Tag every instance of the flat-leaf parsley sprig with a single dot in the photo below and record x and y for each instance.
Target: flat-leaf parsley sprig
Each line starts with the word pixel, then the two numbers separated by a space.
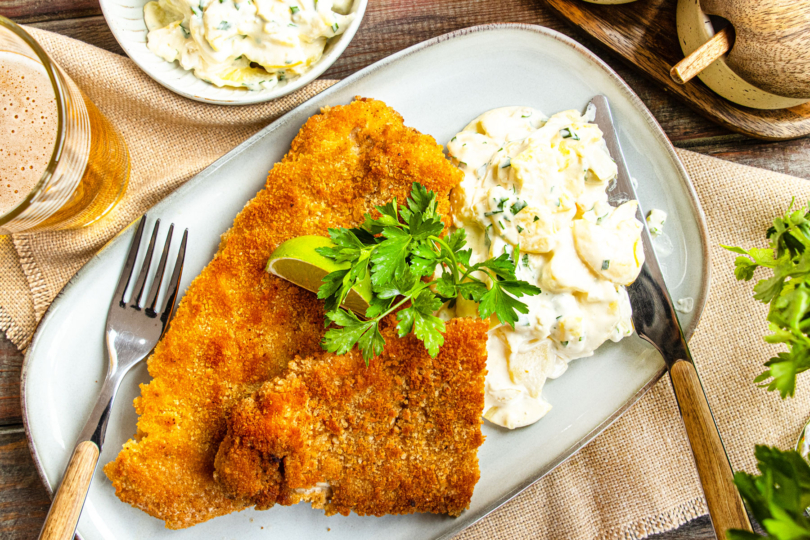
pixel 788 293
pixel 778 497
pixel 398 249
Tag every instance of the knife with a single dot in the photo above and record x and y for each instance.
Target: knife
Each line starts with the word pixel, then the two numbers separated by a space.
pixel 655 321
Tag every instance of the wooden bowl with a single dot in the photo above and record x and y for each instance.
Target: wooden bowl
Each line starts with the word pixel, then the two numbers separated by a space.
pixel 694 29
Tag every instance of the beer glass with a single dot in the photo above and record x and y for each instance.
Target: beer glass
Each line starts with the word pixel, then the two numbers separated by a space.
pixel 86 172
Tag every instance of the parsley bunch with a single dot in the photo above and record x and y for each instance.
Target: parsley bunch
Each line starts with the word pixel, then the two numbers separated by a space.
pixel 788 293
pixel 778 497
pixel 398 249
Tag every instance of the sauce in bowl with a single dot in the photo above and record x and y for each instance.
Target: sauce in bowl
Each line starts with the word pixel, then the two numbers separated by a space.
pixel 251 44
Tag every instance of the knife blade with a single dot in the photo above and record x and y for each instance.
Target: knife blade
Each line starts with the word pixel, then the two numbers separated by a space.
pixel 655 321
pixel 654 316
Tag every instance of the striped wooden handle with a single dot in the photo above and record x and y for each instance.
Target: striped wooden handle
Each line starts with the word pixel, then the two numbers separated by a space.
pixel 725 505
pixel 67 504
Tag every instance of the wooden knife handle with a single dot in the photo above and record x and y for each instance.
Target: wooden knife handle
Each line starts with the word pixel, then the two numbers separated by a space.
pixel 725 505
pixel 67 504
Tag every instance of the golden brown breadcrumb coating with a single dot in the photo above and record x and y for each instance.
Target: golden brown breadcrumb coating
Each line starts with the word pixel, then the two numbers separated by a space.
pixel 397 437
pixel 237 326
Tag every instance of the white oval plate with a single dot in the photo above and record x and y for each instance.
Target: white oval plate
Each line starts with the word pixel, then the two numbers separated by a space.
pixel 437 86
pixel 125 19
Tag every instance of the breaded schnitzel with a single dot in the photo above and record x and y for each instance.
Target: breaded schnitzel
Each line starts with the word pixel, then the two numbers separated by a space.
pixel 237 326
pixel 398 437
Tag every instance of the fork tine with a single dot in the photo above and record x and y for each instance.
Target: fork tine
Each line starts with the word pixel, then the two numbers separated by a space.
pixel 174 283
pixel 137 290
pixel 126 273
pixel 151 299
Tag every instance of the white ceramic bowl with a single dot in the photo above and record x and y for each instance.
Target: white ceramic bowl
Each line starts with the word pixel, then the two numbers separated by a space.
pixel 125 18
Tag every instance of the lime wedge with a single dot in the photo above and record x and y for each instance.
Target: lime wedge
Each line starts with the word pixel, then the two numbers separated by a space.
pixel 297 261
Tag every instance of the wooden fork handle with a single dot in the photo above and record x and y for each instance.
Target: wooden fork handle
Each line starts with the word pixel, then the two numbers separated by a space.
pixel 725 505
pixel 67 504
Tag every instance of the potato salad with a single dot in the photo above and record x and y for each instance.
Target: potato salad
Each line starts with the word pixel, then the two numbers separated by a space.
pixel 252 44
pixel 535 187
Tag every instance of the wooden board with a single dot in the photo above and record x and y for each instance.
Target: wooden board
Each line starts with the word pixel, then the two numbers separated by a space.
pixel 644 34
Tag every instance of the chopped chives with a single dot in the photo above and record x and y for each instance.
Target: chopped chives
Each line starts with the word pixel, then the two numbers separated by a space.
pixel 518 206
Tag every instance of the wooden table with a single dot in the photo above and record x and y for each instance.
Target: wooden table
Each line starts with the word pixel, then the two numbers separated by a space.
pixel 389 26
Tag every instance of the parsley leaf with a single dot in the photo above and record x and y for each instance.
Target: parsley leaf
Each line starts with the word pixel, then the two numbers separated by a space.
pixel 778 497
pixel 332 288
pixel 351 329
pixel 503 305
pixel 419 318
pixel 472 290
pixel 457 240
pixel 502 266
pixel 389 217
pixel 787 290
pixel 422 201
pixel 378 305
pixel 402 249
pixel 424 259
pixel 446 286
pixel 390 256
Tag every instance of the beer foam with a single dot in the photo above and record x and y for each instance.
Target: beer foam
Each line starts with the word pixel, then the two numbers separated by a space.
pixel 28 122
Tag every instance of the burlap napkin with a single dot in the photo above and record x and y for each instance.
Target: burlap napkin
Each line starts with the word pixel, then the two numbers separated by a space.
pixel 635 479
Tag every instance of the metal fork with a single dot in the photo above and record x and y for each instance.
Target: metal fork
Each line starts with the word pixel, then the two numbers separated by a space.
pixel 133 330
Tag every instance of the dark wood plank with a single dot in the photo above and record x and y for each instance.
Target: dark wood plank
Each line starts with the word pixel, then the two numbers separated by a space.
pixel 93 30
pixel 27 11
pixel 10 366
pixel 789 157
pixel 698 529
pixel 23 499
pixel 393 25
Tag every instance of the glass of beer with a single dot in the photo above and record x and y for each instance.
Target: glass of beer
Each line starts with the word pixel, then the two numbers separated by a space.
pixel 62 163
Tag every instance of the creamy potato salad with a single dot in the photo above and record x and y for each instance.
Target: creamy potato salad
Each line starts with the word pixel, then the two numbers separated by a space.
pixel 655 222
pixel 535 187
pixel 252 44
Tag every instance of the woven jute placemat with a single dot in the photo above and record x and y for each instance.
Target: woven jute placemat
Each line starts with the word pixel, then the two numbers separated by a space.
pixel 636 478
